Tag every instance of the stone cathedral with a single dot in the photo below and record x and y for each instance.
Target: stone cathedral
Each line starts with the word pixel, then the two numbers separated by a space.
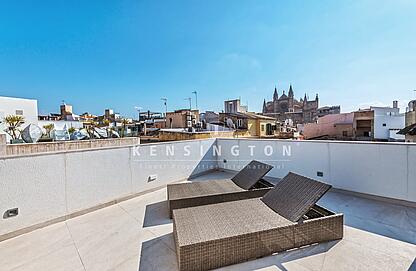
pixel 288 107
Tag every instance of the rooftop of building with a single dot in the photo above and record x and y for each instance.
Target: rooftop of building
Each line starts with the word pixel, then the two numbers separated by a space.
pixel 249 115
pixel 411 130
pixel 133 232
pixel 137 235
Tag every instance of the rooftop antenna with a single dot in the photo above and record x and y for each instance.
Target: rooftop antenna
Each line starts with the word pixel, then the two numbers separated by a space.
pixel 196 99
pixel 165 102
pixel 138 108
pixel 190 102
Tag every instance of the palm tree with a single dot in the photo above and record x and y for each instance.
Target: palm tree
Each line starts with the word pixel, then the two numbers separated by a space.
pixel 71 130
pixel 49 128
pixel 124 122
pixel 106 125
pixel 14 123
pixel 89 127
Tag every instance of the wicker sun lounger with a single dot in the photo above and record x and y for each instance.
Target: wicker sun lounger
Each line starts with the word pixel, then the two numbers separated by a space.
pixel 287 217
pixel 246 184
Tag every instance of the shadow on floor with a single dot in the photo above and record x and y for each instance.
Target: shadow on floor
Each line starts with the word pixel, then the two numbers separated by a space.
pixel 374 216
pixel 279 259
pixel 158 254
pixel 156 214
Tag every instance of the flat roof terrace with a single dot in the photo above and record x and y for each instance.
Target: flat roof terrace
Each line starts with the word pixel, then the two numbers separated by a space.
pixel 137 235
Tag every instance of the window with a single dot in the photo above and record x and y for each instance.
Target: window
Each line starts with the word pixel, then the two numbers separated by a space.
pixel 19 112
pixel 344 133
pixel 262 127
pixel 239 122
pixel 384 125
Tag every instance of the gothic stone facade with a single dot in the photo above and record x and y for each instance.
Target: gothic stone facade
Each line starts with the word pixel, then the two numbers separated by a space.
pixel 287 107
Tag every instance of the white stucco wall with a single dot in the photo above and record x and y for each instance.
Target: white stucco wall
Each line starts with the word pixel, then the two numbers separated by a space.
pixel 391 118
pixel 9 105
pixel 381 169
pixel 52 185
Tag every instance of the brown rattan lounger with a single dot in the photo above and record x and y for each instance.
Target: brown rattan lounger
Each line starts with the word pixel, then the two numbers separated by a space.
pixel 247 183
pixel 287 217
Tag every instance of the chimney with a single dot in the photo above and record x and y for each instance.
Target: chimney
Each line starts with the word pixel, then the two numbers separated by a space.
pixel 395 104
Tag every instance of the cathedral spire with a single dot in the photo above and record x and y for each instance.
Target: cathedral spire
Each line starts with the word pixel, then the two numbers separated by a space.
pixel 305 99
pixel 316 98
pixel 264 106
pixel 290 91
pixel 275 95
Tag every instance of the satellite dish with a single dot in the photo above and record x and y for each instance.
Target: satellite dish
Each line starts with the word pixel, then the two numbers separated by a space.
pixel 100 133
pixel 114 134
pixel 230 123
pixel 32 133
pixel 80 135
pixel 60 135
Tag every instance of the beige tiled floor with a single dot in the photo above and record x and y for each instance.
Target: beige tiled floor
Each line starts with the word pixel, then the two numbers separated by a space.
pixel 137 235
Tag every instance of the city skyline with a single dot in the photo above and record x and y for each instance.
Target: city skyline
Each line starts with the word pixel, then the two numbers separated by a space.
pixel 354 54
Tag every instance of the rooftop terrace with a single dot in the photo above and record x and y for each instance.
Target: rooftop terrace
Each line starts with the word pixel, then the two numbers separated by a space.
pixel 136 234
pixel 105 208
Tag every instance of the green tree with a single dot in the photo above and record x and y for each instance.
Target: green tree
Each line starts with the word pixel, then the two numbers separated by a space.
pixel 89 127
pixel 48 128
pixel 14 124
pixel 71 130
pixel 124 122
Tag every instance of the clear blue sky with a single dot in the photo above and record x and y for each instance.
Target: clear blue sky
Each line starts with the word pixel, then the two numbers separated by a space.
pixel 118 54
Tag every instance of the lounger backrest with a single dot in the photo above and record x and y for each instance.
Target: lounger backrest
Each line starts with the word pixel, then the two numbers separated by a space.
pixel 251 174
pixel 294 195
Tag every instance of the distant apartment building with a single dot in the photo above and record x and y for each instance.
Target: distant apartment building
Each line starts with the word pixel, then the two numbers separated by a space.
pixel 209 117
pixel 388 121
pixel 109 115
pixel 61 121
pixel 67 113
pixel 409 132
pixel 363 124
pixel 379 123
pixel 183 118
pixel 151 120
pixel 87 117
pixel 234 106
pixel 374 123
pixel 148 115
pixel 328 110
pixel 250 124
pixel 411 113
pixel 27 108
pixel 332 126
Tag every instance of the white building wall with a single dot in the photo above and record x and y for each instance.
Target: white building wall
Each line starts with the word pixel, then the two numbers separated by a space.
pixel 9 105
pixel 381 169
pixel 52 185
pixel 391 118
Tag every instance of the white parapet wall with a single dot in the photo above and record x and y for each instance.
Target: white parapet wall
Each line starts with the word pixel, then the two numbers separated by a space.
pixel 50 187
pixel 3 142
pixel 380 169
pixel 54 186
